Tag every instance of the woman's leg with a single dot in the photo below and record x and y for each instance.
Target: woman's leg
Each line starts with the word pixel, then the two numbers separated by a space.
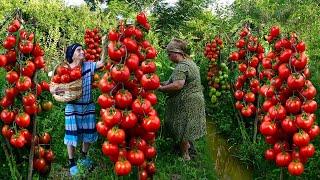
pixel 85 148
pixel 184 146
pixel 71 150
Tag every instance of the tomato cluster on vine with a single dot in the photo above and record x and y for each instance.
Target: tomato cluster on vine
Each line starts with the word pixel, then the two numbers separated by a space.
pixel 289 123
pixel 92 39
pixel 128 120
pixel 21 103
pixel 248 57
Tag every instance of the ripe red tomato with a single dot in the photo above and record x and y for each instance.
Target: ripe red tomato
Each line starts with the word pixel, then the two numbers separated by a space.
pixel 26 46
pixel 307 151
pixel 49 156
pixel 22 120
pixel 143 175
pixel 3 60
pixel 314 132
pixel 239 95
pixel 293 105
pixel 113 35
pixel 304 121
pixel 136 157
pixel 132 62
pixel 277 112
pixel 268 128
pixel 141 18
pixel 301 139
pixel 18 141
pixel 29 99
pixel 138 143
pixel 9 42
pixel 239 105
pixel 106 84
pixel 269 154
pixel 44 86
pixel 123 99
pixel 109 149
pixel 246 111
pixel 310 106
pixel 128 120
pixel 141 106
pixel 65 78
pixel 150 81
pixel 151 168
pixel 102 129
pixel 105 101
pixel 151 123
pixel 116 136
pixel 24 83
pixel 299 63
pixel 289 125
pixel 283 159
pixel 296 81
pixel 150 152
pixel 110 116
pixel 28 69
pixel 309 91
pixel 275 31
pixel 249 97
pixel 284 71
pixel 120 73
pixel 45 138
pixel 7 116
pixel 234 56
pixel 151 97
pixel 295 168
pixel 148 67
pixel 122 168
pixel 285 56
pixel 280 147
pixel 130 44
pixel 12 77
pixel 61 70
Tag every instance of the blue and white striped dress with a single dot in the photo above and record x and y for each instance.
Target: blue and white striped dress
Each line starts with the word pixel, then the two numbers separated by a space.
pixel 80 117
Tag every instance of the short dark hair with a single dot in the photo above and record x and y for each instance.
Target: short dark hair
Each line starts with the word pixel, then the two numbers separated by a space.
pixel 70 51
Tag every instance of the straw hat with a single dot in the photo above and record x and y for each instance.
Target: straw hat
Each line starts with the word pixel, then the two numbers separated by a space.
pixel 177 46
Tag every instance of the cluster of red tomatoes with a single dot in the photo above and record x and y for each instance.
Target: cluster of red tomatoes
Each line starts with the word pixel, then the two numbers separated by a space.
pixel 129 121
pixel 92 39
pixel 289 122
pixel 20 104
pixel 66 75
pixel 248 57
pixel 212 49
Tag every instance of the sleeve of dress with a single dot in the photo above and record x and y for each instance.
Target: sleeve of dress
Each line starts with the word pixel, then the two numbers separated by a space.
pixel 180 72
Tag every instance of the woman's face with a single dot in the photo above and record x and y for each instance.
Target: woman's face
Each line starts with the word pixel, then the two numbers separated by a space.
pixel 174 57
pixel 78 55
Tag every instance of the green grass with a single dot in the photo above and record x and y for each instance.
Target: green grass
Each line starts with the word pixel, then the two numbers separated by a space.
pixel 169 164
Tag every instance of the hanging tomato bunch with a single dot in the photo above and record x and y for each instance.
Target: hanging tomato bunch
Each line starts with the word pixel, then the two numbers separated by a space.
pixel 289 123
pixel 248 57
pixel 20 103
pixel 128 121
pixel 218 72
pixel 92 39
pixel 212 49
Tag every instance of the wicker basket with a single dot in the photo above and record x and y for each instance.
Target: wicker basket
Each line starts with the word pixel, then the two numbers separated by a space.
pixel 66 92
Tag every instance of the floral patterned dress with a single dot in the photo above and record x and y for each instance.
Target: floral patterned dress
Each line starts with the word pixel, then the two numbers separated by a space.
pixel 185 111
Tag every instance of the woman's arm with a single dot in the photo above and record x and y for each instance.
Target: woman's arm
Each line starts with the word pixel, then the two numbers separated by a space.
pixel 100 63
pixel 172 87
